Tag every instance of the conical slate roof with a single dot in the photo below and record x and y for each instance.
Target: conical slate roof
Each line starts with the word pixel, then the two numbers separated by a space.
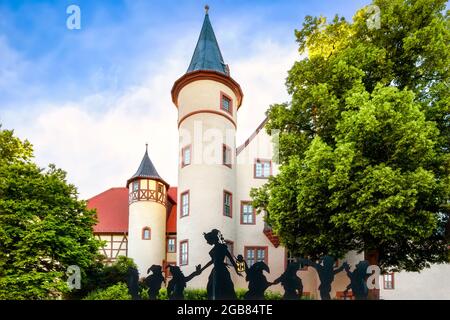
pixel 146 170
pixel 207 55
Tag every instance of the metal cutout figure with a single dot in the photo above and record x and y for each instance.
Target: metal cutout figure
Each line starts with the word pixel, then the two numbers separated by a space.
pixel 257 281
pixel 220 286
pixel 358 280
pixel 292 284
pixel 133 283
pixel 325 270
pixel 154 281
pixel 176 286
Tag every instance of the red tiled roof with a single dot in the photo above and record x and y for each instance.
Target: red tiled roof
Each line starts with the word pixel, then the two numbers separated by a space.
pixel 112 210
pixel 172 193
pixel 171 225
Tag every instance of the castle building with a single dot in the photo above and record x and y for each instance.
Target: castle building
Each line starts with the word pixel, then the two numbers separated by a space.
pixel 155 223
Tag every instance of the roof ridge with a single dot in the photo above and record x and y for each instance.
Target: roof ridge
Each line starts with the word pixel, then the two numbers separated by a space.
pixel 99 194
pixel 252 136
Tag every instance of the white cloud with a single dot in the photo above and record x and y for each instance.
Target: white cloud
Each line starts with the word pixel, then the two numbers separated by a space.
pixel 100 150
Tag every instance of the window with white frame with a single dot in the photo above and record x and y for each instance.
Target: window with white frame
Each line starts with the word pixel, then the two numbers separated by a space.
pixel 247 213
pixel 185 204
pixel 263 168
pixel 184 252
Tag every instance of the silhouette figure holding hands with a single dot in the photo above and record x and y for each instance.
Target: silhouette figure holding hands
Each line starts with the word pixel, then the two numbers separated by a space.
pixel 220 286
pixel 292 284
pixel 154 281
pixel 325 270
pixel 133 283
pixel 358 279
pixel 177 284
pixel 257 282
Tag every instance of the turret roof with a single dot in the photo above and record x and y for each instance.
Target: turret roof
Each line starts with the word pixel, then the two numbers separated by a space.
pixel 207 55
pixel 146 170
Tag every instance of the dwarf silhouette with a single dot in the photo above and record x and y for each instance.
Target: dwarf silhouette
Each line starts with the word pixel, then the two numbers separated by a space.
pixel 358 279
pixel 154 281
pixel 175 288
pixel 257 282
pixel 325 270
pixel 292 284
pixel 133 283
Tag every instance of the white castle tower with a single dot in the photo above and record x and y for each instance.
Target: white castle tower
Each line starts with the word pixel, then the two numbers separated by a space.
pixel 207 99
pixel 147 216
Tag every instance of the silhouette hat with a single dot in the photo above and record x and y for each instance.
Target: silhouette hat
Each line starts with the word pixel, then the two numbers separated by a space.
pixel 155 269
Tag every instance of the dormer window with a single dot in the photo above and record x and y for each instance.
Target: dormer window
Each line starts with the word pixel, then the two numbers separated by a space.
pixel 226 103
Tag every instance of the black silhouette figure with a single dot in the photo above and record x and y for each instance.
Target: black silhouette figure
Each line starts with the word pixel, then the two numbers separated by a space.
pixel 358 280
pixel 177 284
pixel 220 286
pixel 292 284
pixel 154 281
pixel 257 282
pixel 133 283
pixel 326 272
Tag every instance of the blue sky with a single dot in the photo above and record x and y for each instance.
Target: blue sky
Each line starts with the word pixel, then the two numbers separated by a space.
pixel 89 99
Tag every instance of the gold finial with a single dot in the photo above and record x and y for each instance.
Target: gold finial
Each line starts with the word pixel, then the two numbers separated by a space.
pixel 206 9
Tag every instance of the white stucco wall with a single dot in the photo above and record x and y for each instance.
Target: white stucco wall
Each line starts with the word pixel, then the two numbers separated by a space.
pixel 147 252
pixel 431 283
pixel 206 177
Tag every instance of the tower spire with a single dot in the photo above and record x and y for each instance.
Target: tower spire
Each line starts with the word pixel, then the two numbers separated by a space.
pixel 207 55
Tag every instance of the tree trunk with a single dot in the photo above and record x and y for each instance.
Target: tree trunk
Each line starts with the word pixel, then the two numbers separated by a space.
pixel 373 257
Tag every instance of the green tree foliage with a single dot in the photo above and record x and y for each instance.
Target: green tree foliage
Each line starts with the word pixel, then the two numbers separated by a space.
pixel 117 291
pixel 101 277
pixel 364 141
pixel 44 228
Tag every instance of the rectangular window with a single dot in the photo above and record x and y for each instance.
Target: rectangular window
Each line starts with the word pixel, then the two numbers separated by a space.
pixel 230 247
pixel 227 204
pixel 247 213
pixel 388 281
pixel 263 168
pixel 184 204
pixel 146 233
pixel 290 258
pixel 226 155
pixel 226 103
pixel 136 185
pixel 186 156
pixel 184 253
pixel 171 245
pixel 255 254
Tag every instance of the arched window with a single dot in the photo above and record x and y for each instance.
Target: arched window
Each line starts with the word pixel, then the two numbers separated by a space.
pixel 146 233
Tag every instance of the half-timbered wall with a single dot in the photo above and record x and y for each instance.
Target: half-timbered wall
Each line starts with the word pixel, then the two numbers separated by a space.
pixel 116 245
